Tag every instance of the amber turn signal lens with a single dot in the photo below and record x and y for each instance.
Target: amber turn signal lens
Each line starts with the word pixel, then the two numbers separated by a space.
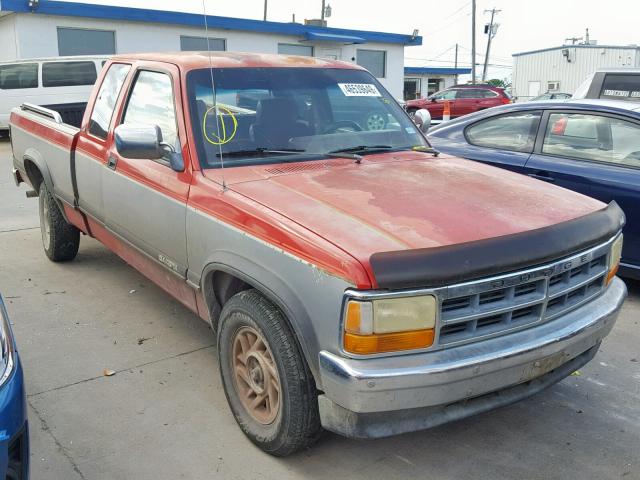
pixel 614 258
pixel 612 273
pixel 388 342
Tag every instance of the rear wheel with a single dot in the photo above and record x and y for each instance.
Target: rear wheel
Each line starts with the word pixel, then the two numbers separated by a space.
pixel 267 383
pixel 60 239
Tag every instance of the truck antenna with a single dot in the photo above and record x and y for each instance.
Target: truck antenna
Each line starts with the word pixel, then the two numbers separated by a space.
pixel 213 95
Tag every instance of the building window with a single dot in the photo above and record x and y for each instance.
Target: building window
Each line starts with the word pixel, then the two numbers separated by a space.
pixel 373 60
pixel 68 74
pixel 19 75
pixel 199 44
pixel 293 49
pixel 411 88
pixel 80 41
pixel 434 85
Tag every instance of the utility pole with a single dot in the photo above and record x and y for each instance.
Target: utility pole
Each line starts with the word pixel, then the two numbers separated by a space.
pixel 491 32
pixel 473 41
pixel 265 10
pixel 456 65
pixel 323 8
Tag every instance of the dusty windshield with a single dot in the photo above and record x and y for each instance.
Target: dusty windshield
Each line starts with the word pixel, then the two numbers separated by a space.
pixel 273 115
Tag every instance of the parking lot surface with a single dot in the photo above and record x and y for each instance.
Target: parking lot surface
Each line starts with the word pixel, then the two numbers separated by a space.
pixel 163 415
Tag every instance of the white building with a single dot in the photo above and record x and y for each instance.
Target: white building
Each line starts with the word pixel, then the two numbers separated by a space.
pixel 563 69
pixel 52 28
pixel 420 82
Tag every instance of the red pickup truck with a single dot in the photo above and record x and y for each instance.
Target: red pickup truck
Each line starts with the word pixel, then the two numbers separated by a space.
pixel 355 279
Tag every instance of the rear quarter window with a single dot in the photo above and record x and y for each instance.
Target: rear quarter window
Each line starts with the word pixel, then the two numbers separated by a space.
pixel 621 87
pixel 18 75
pixel 68 74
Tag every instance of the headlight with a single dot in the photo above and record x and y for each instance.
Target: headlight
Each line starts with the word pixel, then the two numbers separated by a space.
pixel 389 324
pixel 6 345
pixel 614 258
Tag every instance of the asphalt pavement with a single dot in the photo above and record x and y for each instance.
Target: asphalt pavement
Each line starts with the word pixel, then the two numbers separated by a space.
pixel 163 414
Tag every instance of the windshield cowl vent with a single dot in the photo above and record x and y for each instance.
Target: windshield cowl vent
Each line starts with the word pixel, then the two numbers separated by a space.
pixel 285 169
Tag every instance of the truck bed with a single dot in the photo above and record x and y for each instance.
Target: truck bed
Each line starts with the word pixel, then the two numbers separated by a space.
pixel 39 134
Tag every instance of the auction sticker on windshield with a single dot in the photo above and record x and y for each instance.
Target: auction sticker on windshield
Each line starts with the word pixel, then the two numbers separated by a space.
pixel 359 90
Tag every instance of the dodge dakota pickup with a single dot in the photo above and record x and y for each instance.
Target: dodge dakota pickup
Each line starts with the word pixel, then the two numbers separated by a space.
pixel 355 279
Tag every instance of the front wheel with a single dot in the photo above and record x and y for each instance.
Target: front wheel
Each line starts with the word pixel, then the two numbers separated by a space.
pixel 267 383
pixel 60 239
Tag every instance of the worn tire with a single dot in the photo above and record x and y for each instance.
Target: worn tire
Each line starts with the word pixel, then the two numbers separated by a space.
pixel 60 239
pixel 297 424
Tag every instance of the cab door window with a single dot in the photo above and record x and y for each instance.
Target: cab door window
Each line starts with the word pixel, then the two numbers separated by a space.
pixel 151 103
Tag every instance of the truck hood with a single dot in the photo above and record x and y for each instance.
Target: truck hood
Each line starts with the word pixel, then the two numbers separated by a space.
pixel 409 200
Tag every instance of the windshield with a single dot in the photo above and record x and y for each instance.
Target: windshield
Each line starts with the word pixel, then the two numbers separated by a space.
pixel 272 115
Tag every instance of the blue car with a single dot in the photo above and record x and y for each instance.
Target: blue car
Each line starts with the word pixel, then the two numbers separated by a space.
pixel 590 146
pixel 14 430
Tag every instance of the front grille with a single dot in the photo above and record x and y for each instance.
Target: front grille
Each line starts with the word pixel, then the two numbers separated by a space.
pixel 490 307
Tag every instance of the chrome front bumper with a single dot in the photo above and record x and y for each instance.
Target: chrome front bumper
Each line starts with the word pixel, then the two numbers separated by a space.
pixel 410 388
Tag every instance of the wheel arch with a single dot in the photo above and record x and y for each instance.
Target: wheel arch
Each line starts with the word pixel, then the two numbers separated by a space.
pixel 272 286
pixel 36 169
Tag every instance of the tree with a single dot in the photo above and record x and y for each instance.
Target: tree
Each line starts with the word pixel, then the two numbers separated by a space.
pixel 496 82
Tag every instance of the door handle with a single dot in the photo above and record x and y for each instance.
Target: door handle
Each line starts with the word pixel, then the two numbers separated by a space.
pixel 111 163
pixel 544 176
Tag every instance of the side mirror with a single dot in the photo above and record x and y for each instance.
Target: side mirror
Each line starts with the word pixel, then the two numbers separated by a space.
pixel 145 142
pixel 422 119
pixel 433 99
pixel 139 141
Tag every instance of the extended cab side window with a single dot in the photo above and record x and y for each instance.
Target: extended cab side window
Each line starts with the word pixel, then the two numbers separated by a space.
pixel 107 98
pixel 513 131
pixel 593 137
pixel 151 103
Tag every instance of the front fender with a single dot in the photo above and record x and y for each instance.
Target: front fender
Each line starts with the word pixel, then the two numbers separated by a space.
pixel 309 297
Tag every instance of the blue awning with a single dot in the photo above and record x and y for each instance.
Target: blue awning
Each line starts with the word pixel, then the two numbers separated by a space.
pixel 333 38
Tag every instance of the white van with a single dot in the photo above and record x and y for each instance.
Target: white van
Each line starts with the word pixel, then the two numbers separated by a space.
pixel 62 84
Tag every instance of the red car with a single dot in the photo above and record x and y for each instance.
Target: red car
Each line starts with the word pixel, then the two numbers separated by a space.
pixel 463 99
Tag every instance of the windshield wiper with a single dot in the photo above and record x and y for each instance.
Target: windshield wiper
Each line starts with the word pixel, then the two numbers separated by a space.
pixel 260 151
pixel 362 149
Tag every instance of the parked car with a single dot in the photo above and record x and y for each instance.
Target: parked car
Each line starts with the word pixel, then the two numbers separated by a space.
pixel 621 83
pixel 463 100
pixel 590 146
pixel 14 430
pixel 62 84
pixel 551 96
pixel 355 280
